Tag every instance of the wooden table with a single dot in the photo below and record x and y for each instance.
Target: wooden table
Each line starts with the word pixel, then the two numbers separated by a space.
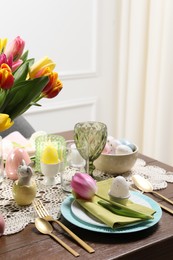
pixel 153 243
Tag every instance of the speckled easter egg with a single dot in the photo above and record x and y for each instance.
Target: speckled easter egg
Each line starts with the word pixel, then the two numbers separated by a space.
pixel 119 188
pixel 114 143
pixel 109 138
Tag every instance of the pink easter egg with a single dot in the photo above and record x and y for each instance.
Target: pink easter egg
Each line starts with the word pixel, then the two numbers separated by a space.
pixel 106 149
pixel 14 159
pixel 2 225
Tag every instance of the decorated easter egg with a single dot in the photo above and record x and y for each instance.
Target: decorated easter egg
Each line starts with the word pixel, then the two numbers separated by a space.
pixel 109 138
pixel 2 225
pixel 14 159
pixel 114 143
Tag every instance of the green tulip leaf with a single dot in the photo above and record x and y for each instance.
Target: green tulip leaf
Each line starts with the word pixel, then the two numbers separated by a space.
pixel 21 73
pixel 2 99
pixel 20 98
pixel 24 56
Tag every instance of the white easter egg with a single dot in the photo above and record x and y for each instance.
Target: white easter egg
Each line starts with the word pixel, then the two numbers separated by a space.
pixel 109 138
pixel 119 188
pixel 123 149
pixel 114 143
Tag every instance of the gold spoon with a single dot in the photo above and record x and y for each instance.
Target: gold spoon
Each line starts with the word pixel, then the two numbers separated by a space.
pixel 45 228
pixel 145 186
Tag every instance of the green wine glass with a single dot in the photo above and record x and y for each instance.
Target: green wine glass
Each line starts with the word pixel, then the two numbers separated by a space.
pixel 92 135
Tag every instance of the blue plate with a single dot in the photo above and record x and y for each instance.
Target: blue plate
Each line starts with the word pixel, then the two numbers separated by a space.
pixel 68 214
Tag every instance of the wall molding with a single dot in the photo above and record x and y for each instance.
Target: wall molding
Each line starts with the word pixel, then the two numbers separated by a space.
pixel 78 74
pixel 63 116
pixel 63 105
pixel 93 70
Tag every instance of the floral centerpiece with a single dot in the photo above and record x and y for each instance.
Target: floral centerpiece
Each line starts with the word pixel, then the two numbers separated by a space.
pixel 23 82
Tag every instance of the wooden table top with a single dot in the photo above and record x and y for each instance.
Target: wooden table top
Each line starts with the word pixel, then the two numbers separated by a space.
pixel 153 243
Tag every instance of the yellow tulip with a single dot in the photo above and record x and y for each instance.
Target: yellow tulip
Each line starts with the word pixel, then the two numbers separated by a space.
pixel 5 122
pixel 53 87
pixel 3 43
pixel 6 77
pixel 40 66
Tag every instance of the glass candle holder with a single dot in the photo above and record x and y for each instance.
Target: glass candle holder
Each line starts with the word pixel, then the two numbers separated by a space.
pixel 57 141
pixel 73 163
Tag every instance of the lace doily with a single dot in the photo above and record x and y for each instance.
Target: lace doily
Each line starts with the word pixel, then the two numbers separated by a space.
pixel 158 177
pixel 18 217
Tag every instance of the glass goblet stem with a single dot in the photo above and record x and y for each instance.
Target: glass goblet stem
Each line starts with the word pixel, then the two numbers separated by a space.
pixel 87 166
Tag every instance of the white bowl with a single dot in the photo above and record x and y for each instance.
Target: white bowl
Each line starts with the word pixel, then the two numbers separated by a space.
pixel 116 163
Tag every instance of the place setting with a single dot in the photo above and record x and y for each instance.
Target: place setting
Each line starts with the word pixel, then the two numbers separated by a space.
pixel 82 179
pixel 87 217
pixel 87 143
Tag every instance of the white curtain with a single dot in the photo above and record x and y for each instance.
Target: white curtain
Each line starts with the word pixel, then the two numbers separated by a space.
pixel 145 76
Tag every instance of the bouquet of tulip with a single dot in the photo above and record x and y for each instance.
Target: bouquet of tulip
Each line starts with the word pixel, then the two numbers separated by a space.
pixel 23 82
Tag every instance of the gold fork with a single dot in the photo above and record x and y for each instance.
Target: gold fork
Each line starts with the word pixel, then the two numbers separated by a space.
pixel 43 213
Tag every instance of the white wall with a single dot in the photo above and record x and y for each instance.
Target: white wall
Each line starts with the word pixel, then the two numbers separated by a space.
pixel 80 36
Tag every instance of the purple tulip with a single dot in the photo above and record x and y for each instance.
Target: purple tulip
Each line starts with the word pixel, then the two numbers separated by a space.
pixel 83 185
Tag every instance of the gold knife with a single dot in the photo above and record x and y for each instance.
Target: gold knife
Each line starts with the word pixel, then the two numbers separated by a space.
pixel 166 208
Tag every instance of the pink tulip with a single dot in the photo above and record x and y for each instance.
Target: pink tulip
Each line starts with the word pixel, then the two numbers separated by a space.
pixel 16 64
pixel 3 59
pixel 84 185
pixel 15 48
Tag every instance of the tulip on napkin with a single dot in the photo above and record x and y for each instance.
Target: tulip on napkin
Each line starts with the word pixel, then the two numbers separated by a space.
pixel 114 214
